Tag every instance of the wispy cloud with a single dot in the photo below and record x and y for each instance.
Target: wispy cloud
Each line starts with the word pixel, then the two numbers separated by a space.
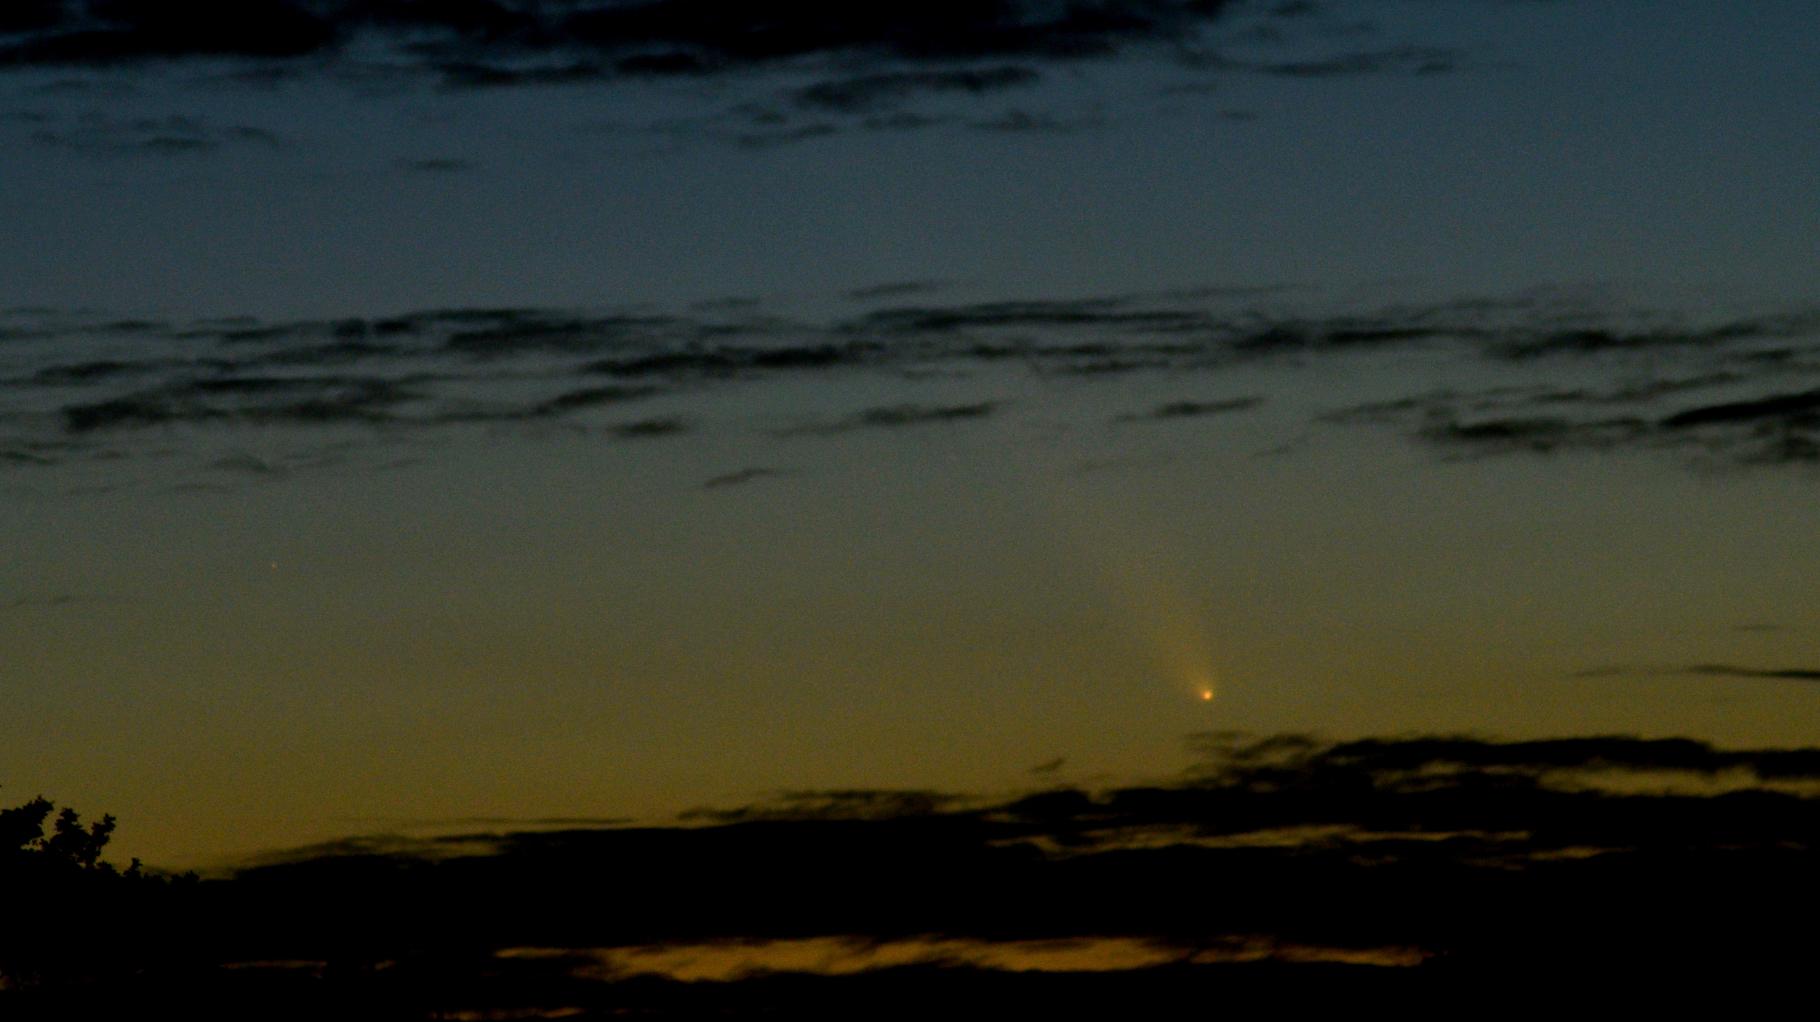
pixel 1416 60
pixel 1027 122
pixel 1712 671
pixel 640 429
pixel 1535 434
pixel 867 93
pixel 71 385
pixel 1194 409
pixel 899 417
pixel 740 477
pixel 894 289
pixel 102 134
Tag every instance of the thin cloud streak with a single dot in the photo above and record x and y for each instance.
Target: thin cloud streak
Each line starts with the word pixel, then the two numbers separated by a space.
pixel 1710 671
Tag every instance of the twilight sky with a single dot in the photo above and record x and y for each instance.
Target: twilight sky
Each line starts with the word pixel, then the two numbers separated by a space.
pixel 415 413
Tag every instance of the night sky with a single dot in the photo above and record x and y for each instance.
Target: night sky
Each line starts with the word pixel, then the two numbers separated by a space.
pixel 418 416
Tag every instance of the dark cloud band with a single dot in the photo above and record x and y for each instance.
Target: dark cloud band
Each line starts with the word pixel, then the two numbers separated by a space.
pixel 601 37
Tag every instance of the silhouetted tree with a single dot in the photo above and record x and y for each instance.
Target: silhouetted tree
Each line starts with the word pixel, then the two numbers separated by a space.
pixel 23 826
pixel 66 908
pixel 23 841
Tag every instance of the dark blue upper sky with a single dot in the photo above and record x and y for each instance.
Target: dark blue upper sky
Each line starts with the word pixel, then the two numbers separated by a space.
pixel 357 156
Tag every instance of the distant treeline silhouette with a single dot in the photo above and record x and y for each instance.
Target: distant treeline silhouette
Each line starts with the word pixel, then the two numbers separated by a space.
pixel 1285 873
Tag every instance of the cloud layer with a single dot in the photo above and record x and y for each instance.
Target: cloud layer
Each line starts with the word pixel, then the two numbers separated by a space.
pixel 809 68
pixel 481 41
pixel 1527 380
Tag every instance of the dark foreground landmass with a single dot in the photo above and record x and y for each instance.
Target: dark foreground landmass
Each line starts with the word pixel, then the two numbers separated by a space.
pixel 1289 875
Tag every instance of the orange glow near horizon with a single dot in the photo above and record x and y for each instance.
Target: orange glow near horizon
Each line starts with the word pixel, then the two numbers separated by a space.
pixel 733 960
